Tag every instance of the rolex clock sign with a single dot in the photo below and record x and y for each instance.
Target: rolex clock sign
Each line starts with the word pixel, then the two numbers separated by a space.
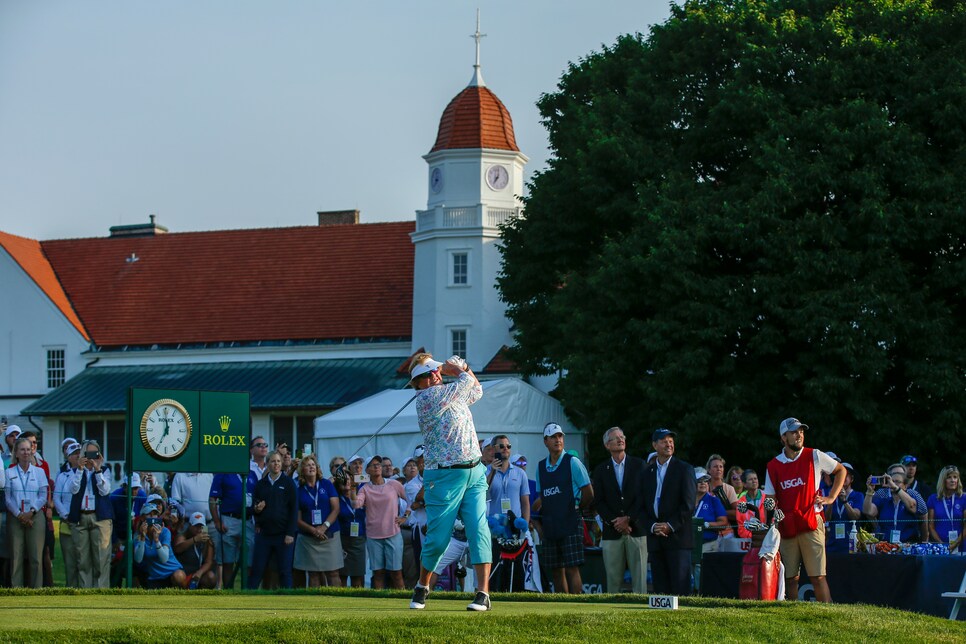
pixel 177 430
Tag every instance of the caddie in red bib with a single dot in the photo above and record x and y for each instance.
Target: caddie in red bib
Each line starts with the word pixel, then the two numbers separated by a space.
pixel 793 479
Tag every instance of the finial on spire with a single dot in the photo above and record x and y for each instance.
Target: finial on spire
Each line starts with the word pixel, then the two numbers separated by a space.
pixel 477 80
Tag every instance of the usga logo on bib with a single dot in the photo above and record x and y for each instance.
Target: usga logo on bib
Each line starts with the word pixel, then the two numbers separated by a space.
pixel 662 602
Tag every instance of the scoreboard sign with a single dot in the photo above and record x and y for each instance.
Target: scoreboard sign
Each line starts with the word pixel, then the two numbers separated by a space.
pixel 177 430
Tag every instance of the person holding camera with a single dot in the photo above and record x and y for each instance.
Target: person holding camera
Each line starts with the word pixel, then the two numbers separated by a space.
pixel 26 495
pixel 509 492
pixel 152 550
pixel 196 553
pixel 900 512
pixel 352 528
pixel 92 517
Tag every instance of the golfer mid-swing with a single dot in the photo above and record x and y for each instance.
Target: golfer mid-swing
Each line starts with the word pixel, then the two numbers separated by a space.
pixel 454 480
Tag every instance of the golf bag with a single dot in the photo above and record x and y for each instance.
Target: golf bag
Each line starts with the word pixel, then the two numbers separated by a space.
pixel 760 577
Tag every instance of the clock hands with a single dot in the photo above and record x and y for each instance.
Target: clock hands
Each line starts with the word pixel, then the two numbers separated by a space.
pixel 167 429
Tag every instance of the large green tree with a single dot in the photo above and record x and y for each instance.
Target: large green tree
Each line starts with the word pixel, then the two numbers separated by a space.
pixel 757 211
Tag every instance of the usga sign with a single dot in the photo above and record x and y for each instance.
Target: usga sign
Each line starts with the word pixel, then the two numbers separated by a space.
pixel 662 602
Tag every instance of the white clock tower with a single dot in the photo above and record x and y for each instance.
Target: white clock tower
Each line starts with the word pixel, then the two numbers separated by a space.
pixel 475 179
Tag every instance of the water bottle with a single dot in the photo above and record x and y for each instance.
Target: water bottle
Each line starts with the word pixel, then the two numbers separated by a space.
pixel 853 540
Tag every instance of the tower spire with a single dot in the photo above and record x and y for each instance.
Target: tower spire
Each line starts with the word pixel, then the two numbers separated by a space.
pixel 477 80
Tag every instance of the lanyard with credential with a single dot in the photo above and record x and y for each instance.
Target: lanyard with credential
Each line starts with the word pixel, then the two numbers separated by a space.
pixel 949 509
pixel 839 509
pixel 503 477
pixel 23 485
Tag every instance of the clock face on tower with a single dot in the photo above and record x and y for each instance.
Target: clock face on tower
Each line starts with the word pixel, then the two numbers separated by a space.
pixel 436 179
pixel 497 177
pixel 165 429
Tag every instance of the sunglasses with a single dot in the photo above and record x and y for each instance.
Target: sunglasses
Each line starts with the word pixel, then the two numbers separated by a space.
pixel 504 445
pixel 259 444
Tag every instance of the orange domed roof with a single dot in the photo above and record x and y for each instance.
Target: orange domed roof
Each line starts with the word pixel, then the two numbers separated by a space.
pixel 475 119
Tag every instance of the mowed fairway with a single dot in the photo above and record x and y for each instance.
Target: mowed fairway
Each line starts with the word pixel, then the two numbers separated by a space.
pixel 180 617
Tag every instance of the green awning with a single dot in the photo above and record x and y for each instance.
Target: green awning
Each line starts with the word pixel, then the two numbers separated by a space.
pixel 294 384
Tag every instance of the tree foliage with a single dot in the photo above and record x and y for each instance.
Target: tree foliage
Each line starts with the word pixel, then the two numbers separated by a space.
pixel 754 212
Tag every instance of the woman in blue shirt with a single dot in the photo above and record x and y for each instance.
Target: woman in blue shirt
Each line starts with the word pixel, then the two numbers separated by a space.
pixel 840 515
pixel 946 509
pixel 152 549
pixel 318 546
pixel 708 507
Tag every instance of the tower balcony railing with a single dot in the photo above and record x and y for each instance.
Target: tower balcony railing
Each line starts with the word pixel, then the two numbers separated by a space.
pixel 479 216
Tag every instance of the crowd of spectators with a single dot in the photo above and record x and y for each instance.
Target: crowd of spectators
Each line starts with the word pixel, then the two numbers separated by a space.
pixel 306 522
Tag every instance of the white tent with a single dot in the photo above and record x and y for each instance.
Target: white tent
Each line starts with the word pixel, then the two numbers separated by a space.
pixel 508 406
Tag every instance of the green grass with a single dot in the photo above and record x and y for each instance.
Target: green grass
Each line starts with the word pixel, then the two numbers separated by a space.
pixel 173 616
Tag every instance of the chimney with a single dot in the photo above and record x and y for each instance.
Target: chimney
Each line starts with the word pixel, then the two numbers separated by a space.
pixel 139 230
pixel 338 217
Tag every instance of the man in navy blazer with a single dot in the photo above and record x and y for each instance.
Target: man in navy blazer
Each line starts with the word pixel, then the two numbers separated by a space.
pixel 619 500
pixel 669 496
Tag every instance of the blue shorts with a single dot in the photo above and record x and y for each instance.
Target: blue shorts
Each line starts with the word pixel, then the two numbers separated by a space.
pixel 385 554
pixel 450 494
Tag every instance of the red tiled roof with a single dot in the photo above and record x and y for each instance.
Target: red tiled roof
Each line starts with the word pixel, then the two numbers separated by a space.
pixel 300 283
pixel 500 363
pixel 30 256
pixel 475 119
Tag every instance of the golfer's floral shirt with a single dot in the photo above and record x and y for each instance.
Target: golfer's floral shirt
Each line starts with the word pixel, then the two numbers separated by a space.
pixel 446 422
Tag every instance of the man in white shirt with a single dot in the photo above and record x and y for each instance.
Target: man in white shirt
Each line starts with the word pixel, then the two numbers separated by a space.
pixel 191 489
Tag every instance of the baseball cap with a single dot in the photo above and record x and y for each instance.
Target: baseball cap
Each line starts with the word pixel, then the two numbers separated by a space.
pixel 908 459
pixel 790 425
pixel 355 457
pixel 197 519
pixel 700 473
pixel 848 466
pixel 12 429
pixel 73 448
pixel 419 451
pixel 518 459
pixel 374 457
pixel 661 433
pixel 148 508
pixel 135 480
pixel 834 456
pixel 423 368
pixel 155 497
pixel 552 429
pixel 67 441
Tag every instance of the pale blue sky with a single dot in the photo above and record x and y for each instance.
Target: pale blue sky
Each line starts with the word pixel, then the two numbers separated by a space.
pixel 240 113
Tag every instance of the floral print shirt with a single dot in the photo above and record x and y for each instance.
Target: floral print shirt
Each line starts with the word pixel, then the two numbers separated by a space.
pixel 447 424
